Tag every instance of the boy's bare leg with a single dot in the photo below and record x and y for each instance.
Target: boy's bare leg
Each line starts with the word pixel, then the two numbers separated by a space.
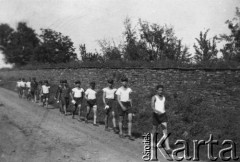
pixel 46 102
pixel 114 119
pixel 164 128
pixel 95 114
pixel 130 124
pixel 120 125
pixel 88 111
pixel 65 109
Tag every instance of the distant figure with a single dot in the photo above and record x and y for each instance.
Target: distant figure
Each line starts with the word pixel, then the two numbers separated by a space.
pixel 125 107
pixel 23 88
pixel 77 97
pixel 18 87
pixel 90 96
pixel 28 89
pixel 110 104
pixel 159 116
pixel 45 93
pixel 58 94
pixel 64 95
pixel 39 89
pixel 34 88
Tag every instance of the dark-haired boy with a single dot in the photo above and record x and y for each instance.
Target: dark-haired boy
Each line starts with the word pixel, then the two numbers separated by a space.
pixel 159 116
pixel 58 94
pixel 34 87
pixel 90 96
pixel 77 97
pixel 125 107
pixel 109 104
pixel 65 96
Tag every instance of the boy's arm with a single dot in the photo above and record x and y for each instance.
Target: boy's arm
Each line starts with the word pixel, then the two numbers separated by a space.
pixel 71 94
pixel 104 96
pixel 153 103
pixel 86 96
pixel 120 103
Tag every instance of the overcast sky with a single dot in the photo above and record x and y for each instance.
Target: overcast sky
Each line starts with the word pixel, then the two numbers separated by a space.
pixel 87 21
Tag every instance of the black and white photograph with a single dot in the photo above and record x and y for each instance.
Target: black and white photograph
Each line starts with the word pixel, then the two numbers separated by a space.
pixel 119 80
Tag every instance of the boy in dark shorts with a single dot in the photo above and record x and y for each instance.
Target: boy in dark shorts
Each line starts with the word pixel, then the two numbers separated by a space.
pixel 18 87
pixel 109 104
pixel 34 87
pixel 90 96
pixel 159 115
pixel 125 107
pixel 45 93
pixel 77 97
pixel 28 89
pixel 58 94
pixel 39 89
pixel 64 95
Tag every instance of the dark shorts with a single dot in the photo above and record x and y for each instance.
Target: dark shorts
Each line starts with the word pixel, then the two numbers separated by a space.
pixel 92 103
pixel 65 100
pixel 159 118
pixel 45 95
pixel 112 104
pixel 33 92
pixel 129 110
pixel 78 101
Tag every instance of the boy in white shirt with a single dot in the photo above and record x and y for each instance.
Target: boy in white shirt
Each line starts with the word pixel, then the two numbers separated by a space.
pixel 77 97
pixel 45 92
pixel 90 96
pixel 159 115
pixel 109 104
pixel 125 107
pixel 23 88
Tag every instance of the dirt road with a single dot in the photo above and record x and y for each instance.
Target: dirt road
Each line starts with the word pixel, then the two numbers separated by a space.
pixel 31 133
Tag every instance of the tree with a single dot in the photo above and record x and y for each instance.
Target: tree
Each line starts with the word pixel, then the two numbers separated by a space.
pixel 54 48
pixel 231 50
pixel 206 50
pixel 130 48
pixel 20 44
pixel 89 56
pixel 161 43
pixel 5 33
pixel 110 50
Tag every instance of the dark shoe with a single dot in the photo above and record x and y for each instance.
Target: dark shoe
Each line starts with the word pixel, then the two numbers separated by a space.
pixel 121 135
pixel 169 151
pixel 107 129
pixel 115 130
pixel 131 138
pixel 96 125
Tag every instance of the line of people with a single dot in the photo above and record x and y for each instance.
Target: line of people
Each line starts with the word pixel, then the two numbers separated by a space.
pixel 116 101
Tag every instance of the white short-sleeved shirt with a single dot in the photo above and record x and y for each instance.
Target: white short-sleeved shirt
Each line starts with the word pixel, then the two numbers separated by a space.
pixel 45 89
pixel 124 94
pixel 160 104
pixel 28 84
pixel 18 83
pixel 91 94
pixel 109 92
pixel 22 84
pixel 77 92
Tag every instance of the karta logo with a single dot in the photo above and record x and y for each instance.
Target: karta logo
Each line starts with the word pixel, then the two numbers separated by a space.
pixel 152 147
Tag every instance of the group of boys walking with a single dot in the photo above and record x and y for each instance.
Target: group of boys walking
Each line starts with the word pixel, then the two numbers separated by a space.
pixel 115 100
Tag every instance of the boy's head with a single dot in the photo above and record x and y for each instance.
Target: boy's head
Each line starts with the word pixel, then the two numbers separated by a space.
pixel 34 79
pixel 124 81
pixel 46 82
pixel 110 82
pixel 23 79
pixel 159 89
pixel 40 82
pixel 77 83
pixel 92 85
pixel 65 82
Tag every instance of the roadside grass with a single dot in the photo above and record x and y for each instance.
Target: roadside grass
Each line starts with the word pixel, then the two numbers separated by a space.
pixel 191 117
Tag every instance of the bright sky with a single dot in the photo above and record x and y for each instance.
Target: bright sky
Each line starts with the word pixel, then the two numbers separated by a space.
pixel 87 21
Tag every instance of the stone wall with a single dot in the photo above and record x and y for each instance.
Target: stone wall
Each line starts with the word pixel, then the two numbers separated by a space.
pixel 219 89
